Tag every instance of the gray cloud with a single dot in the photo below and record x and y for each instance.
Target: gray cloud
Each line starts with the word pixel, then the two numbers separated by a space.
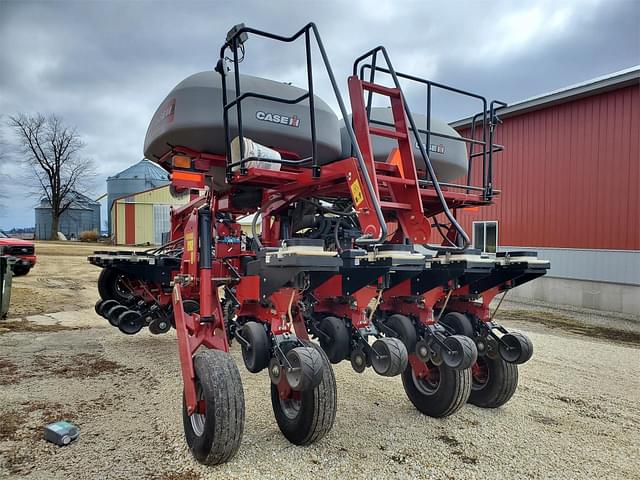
pixel 105 66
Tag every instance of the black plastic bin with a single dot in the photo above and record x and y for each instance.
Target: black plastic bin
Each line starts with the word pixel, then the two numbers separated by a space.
pixel 6 274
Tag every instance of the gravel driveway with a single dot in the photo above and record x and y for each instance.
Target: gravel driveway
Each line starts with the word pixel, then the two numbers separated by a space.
pixel 575 415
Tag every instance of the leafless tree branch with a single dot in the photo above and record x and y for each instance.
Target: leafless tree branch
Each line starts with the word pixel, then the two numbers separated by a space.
pixel 51 152
pixel 3 177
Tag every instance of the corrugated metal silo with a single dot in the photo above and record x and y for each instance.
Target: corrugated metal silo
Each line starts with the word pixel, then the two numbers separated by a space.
pixel 142 176
pixel 82 215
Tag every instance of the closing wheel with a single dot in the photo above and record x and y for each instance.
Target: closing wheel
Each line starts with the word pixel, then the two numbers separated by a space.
pixel 358 360
pixel 130 322
pixel 306 368
pixel 160 325
pixel 105 306
pixel 458 323
pixel 113 314
pixel 404 330
pixel 214 435
pixel 112 285
pixel 391 358
pixel 97 307
pixel 306 416
pixel 337 345
pixel 494 382
pixel 436 391
pixel 518 348
pixel 256 354
pixel 459 352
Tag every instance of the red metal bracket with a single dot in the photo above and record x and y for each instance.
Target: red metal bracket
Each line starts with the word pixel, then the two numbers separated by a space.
pixel 191 335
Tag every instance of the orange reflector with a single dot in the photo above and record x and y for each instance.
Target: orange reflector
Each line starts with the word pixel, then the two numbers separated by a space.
pixel 471 209
pixel 180 161
pixel 187 179
pixel 395 159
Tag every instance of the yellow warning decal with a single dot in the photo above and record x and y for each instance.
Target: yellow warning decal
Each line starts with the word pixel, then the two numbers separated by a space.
pixel 356 192
pixel 188 246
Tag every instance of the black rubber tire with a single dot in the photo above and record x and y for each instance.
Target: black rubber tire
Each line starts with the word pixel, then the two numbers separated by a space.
pixel 108 287
pixel 21 270
pixel 129 322
pixel 190 306
pixel 466 352
pixel 405 329
pixel 317 411
pixel 219 381
pixel 113 314
pixel 358 361
pixel 161 325
pixel 396 357
pixel 458 323
pixel 105 306
pixel 447 397
pixel 97 307
pixel 338 348
pixel 309 365
pixel 500 385
pixel 523 345
pixel 257 358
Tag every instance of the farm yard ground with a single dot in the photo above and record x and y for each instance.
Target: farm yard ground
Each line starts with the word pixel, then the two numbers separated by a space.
pixel 576 413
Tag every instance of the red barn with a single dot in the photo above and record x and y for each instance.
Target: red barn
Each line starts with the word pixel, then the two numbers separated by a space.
pixel 570 189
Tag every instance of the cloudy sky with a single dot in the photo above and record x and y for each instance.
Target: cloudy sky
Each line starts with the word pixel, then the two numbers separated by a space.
pixel 105 66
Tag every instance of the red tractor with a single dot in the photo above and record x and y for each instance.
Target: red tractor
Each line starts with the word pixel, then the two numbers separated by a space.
pixel 359 256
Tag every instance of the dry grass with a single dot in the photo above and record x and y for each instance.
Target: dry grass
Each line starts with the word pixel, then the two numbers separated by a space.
pixel 22 304
pixel 50 412
pixel 8 372
pixel 81 365
pixel 556 320
pixel 72 249
pixel 10 423
pixel 15 326
pixel 89 236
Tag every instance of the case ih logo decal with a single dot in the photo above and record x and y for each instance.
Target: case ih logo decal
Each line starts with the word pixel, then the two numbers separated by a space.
pixel 164 115
pixel 434 148
pixel 277 118
pixel 167 111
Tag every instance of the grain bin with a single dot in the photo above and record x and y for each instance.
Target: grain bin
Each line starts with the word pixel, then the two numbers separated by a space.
pixel 142 176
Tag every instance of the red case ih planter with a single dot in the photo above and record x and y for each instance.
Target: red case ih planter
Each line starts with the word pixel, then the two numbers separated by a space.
pixel 342 255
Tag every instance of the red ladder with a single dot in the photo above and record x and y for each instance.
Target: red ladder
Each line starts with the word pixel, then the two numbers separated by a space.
pixel 403 188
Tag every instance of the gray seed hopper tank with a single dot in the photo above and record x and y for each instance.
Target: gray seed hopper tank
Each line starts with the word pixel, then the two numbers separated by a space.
pixel 448 157
pixel 191 116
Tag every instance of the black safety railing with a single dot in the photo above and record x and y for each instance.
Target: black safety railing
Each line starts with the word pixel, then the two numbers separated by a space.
pixel 235 39
pixel 373 54
pixel 487 118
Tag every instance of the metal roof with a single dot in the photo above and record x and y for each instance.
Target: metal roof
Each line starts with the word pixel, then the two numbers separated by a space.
pixel 79 202
pixel 613 81
pixel 144 170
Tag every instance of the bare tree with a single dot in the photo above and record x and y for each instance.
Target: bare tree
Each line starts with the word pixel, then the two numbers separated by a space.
pixel 51 150
pixel 3 176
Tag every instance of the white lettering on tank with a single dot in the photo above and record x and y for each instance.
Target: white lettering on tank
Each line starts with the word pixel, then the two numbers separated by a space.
pixel 277 118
